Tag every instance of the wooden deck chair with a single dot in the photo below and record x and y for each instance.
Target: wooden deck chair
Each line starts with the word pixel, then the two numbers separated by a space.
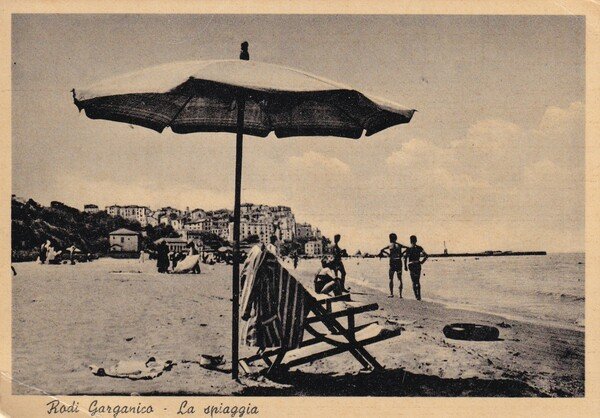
pixel 327 312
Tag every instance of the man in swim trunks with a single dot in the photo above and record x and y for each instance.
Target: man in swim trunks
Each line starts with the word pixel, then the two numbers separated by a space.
pixel 337 264
pixel 413 262
pixel 394 250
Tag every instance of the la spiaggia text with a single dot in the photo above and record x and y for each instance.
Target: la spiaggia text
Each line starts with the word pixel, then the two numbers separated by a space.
pixel 102 409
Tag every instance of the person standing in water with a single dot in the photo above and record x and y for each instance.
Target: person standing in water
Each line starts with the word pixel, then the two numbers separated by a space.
pixel 394 250
pixel 413 262
pixel 338 264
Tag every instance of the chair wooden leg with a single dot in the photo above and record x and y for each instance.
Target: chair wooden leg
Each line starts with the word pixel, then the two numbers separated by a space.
pixel 267 361
pixel 351 325
pixel 276 363
pixel 245 366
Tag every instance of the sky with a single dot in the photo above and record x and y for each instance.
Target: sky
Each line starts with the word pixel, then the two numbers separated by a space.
pixel 493 159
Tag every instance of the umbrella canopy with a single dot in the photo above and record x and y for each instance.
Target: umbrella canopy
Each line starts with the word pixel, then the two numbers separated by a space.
pixel 201 96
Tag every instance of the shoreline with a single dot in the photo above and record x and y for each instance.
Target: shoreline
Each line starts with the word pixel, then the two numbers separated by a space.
pixel 458 306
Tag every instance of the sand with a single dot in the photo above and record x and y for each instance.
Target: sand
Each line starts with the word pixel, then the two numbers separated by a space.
pixel 66 318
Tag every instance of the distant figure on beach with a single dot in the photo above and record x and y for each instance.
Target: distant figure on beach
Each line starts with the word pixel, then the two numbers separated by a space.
pixel 44 251
pixel 412 257
pixel 209 258
pixel 193 250
pixel 394 251
pixel 244 55
pixel 295 258
pixel 52 254
pixel 142 258
pixel 71 251
pixel 272 246
pixel 337 264
pixel 162 256
pixel 176 257
pixel 326 280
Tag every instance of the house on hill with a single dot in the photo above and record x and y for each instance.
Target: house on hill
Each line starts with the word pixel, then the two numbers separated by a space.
pixel 90 208
pixel 313 248
pixel 124 241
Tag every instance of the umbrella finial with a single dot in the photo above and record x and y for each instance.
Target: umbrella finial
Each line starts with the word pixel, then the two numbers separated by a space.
pixel 244 55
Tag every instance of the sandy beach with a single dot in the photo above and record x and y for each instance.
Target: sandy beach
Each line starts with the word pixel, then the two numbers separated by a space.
pixel 66 318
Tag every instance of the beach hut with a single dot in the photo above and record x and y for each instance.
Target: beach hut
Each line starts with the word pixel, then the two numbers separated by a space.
pixel 124 241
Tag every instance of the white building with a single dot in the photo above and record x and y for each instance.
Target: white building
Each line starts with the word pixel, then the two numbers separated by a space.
pixel 168 210
pixel 199 225
pixel 174 244
pixel 91 208
pixel 220 227
pixel 263 230
pixel 313 248
pixel 123 240
pixel 176 224
pixel 113 210
pixel 152 220
pixel 303 230
pixel 131 212
pixel 287 227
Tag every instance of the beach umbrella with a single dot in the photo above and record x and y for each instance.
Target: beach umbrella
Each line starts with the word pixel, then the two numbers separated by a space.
pixel 242 97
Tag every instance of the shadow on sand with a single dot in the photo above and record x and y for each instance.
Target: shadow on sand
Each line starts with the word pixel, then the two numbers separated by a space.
pixel 390 383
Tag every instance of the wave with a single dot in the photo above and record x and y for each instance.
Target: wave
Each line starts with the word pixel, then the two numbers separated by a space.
pixel 562 296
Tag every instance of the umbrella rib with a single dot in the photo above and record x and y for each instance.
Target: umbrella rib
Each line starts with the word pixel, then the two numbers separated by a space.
pixel 263 106
pixel 180 110
pixel 348 115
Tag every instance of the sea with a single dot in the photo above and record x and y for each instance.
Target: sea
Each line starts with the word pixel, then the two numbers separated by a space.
pixel 546 289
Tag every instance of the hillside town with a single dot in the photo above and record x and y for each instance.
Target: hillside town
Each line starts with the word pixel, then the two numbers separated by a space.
pixel 258 223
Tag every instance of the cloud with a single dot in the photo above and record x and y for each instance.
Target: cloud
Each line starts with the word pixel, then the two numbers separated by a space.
pixel 498 152
pixel 560 136
pixel 315 162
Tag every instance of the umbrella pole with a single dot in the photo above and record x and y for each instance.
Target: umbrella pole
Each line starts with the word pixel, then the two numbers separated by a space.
pixel 235 313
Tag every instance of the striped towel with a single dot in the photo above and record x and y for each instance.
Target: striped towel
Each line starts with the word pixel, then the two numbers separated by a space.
pixel 275 309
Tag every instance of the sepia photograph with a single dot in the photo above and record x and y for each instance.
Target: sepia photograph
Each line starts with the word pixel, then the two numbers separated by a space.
pixel 323 205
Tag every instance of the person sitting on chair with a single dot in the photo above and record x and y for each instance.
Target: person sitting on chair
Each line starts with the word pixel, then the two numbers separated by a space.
pixel 326 280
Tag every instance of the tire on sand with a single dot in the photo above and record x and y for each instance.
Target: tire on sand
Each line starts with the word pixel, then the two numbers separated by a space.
pixel 471 332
